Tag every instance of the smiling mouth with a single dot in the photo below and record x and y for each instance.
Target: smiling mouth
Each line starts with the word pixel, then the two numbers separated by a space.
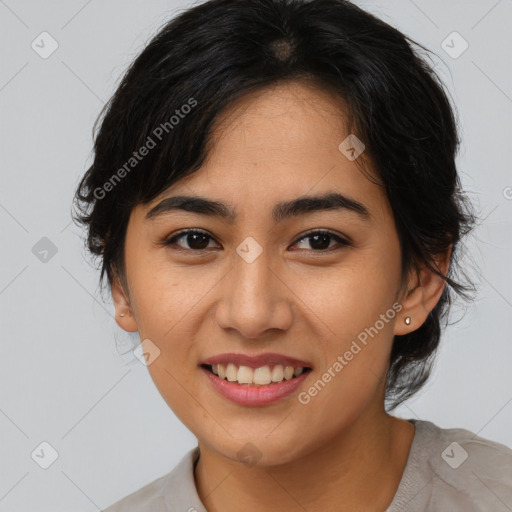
pixel 262 376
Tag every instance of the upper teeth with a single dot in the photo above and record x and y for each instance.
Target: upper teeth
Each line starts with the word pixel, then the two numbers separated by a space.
pixel 259 376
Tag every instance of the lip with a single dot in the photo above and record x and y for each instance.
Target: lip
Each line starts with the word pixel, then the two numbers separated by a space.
pixel 244 394
pixel 266 359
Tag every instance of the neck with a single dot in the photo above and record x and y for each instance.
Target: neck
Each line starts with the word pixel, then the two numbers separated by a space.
pixel 359 468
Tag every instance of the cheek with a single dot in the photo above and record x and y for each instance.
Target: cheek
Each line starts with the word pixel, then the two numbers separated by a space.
pixel 169 308
pixel 167 296
pixel 357 307
pixel 351 297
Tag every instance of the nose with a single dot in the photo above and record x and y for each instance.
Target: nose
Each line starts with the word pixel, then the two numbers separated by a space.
pixel 255 299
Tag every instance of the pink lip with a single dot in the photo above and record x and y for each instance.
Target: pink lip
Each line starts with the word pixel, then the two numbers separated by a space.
pixel 244 394
pixel 268 358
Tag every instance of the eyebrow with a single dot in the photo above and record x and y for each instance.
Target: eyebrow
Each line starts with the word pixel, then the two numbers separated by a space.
pixel 281 211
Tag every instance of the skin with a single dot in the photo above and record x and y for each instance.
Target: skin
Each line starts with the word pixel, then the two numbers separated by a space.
pixel 341 451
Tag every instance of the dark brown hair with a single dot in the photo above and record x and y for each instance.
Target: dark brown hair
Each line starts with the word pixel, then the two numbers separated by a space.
pixel 219 50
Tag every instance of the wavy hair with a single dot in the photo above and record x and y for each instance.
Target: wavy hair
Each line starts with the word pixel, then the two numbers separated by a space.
pixel 218 51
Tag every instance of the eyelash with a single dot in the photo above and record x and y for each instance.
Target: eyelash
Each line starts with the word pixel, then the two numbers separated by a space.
pixel 342 241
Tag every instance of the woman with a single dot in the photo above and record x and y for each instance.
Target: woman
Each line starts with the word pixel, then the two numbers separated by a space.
pixel 275 201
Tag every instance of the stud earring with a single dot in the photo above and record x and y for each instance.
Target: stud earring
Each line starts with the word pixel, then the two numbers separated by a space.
pixel 121 314
pixel 407 320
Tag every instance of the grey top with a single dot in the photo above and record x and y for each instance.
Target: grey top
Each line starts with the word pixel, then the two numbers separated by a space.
pixel 447 470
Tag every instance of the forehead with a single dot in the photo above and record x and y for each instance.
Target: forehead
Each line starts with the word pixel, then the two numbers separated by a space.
pixel 278 144
pixel 277 122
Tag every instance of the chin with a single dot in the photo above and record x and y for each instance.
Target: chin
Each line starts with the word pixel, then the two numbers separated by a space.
pixel 261 449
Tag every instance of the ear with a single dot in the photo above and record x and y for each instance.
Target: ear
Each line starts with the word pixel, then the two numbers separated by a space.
pixel 123 306
pixel 424 289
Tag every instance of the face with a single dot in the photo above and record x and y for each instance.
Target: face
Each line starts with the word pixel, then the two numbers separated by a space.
pixel 309 284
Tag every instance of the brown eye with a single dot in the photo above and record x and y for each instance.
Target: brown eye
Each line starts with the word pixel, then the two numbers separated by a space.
pixel 196 240
pixel 320 240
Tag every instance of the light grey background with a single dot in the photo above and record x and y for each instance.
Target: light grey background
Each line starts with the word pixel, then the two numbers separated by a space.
pixel 63 376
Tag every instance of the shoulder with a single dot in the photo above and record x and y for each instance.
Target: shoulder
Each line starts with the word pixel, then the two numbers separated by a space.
pixel 170 490
pixel 465 450
pixel 466 470
pixel 150 497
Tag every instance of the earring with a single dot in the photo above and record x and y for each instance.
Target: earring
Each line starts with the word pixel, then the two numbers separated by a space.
pixel 407 320
pixel 121 314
